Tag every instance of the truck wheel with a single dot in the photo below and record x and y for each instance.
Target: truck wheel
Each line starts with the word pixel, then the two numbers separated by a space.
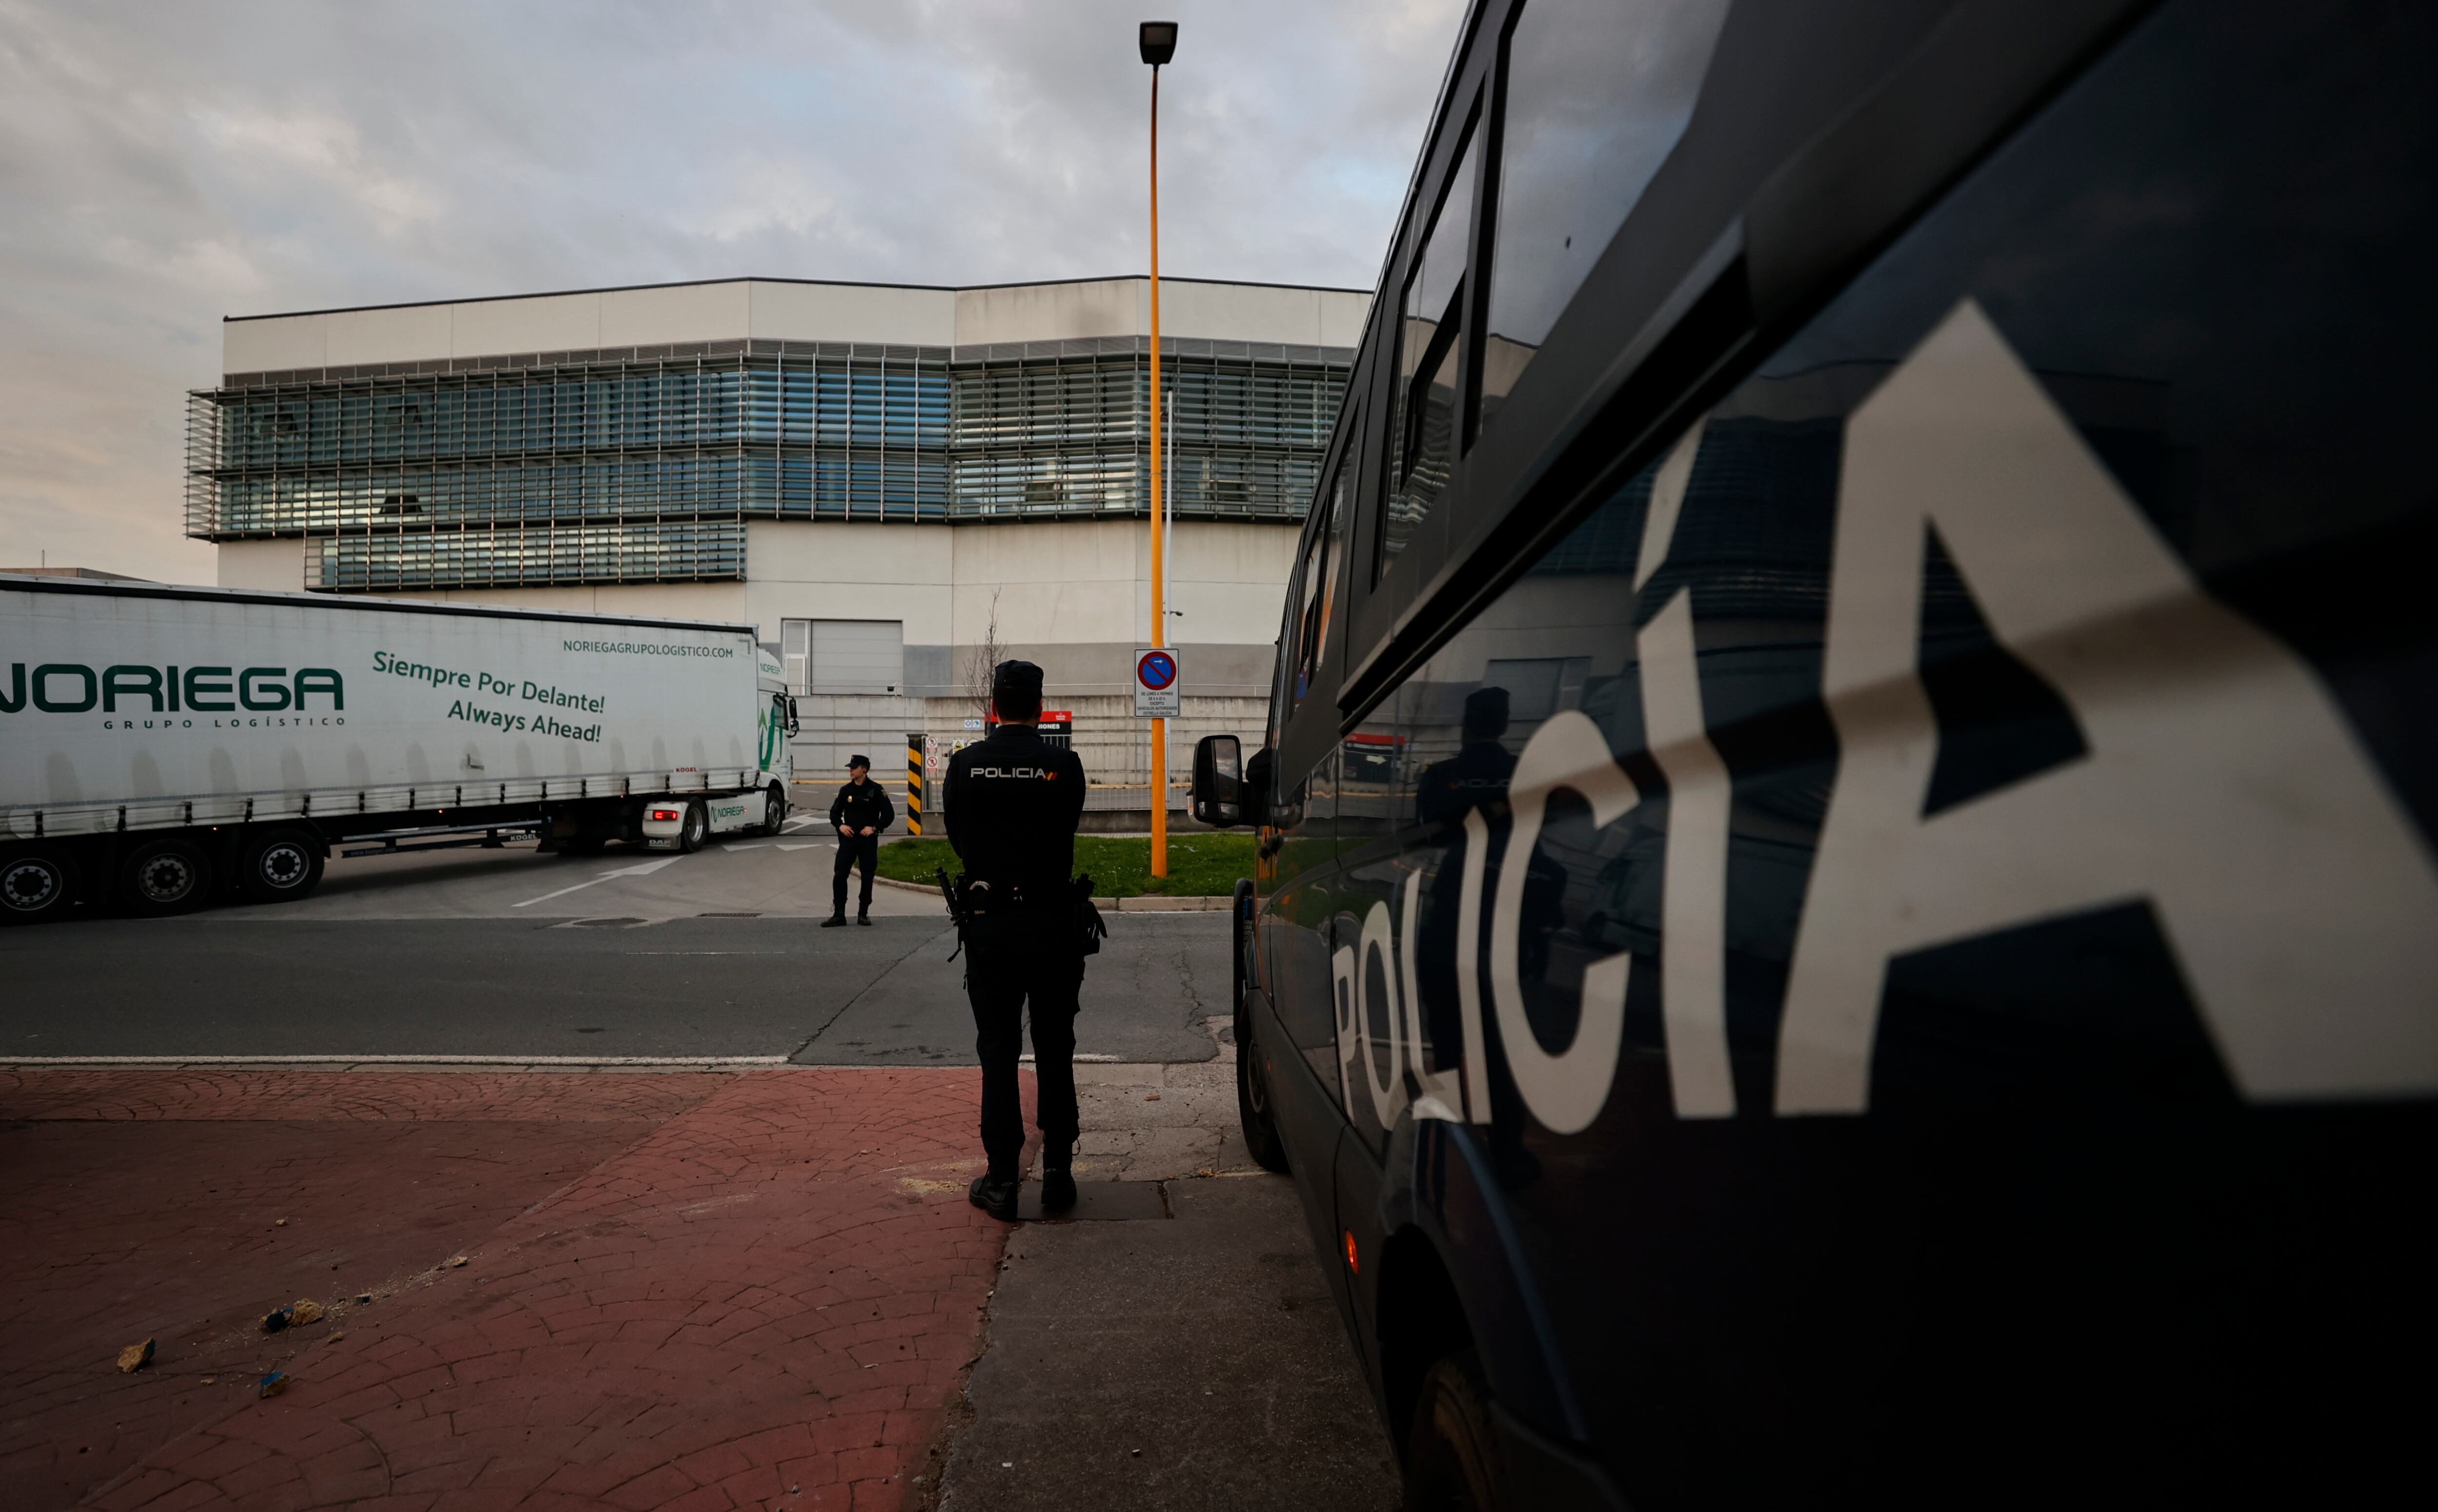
pixel 1253 1113
pixel 165 876
pixel 697 826
pixel 35 885
pixel 1452 1461
pixel 279 866
pixel 774 813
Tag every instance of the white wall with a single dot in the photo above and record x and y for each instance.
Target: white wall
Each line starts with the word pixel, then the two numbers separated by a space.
pixel 838 570
pixel 755 308
pixel 855 312
pixel 277 565
pixel 1188 308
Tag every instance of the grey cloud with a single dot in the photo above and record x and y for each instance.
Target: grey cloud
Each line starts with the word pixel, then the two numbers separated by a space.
pixel 164 165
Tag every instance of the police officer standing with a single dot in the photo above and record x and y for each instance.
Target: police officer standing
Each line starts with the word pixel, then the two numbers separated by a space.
pixel 1014 802
pixel 860 812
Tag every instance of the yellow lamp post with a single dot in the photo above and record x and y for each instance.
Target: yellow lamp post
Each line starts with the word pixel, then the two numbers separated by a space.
pixel 1157 42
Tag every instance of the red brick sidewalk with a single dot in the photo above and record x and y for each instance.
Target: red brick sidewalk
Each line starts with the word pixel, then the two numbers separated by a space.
pixel 681 1291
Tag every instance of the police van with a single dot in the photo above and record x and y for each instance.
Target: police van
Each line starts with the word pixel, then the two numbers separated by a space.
pixel 1847 903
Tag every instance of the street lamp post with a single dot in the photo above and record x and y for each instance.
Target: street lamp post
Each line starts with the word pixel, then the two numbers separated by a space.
pixel 1157 42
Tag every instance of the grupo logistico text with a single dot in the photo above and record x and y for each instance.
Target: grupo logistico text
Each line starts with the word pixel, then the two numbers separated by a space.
pixel 523 689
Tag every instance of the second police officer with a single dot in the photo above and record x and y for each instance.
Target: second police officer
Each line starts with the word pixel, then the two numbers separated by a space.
pixel 860 813
pixel 1013 803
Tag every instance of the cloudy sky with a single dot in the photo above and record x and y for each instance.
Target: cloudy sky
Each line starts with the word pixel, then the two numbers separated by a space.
pixel 163 165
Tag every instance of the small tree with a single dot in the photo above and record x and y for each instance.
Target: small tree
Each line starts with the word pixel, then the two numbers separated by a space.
pixel 982 659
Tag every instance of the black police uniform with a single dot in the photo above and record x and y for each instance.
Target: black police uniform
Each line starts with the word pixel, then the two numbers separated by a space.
pixel 856 806
pixel 1014 802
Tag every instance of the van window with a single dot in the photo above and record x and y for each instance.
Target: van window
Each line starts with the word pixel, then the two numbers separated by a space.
pixel 1421 445
pixel 1317 585
pixel 1597 94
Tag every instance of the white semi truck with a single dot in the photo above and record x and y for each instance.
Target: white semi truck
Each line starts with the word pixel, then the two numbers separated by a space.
pixel 163 747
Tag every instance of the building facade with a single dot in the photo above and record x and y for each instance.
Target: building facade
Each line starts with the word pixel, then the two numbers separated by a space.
pixel 896 483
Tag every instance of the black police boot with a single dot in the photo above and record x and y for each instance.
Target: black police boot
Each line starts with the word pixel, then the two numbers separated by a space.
pixel 994 1196
pixel 1057 1189
pixel 833 920
pixel 863 919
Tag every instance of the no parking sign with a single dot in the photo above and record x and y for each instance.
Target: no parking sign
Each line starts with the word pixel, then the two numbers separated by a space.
pixel 1158 690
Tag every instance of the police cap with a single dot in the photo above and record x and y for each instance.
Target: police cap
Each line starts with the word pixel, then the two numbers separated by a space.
pixel 1484 714
pixel 856 761
pixel 1017 683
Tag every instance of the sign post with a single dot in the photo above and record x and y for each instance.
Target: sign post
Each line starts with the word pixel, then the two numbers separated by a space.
pixel 1159 697
pixel 1158 694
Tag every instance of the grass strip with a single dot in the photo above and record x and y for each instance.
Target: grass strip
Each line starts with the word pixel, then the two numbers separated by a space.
pixel 1199 866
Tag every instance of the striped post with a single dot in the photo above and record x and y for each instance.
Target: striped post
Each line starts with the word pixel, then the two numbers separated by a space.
pixel 913 784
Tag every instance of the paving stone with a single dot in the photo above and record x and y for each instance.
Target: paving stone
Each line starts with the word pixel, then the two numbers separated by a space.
pixel 736 1285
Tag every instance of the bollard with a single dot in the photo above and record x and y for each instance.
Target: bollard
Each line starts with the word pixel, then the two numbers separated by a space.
pixel 913 784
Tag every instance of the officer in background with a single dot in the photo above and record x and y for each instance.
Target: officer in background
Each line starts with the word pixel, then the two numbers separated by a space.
pixel 1012 804
pixel 1476 775
pixel 860 812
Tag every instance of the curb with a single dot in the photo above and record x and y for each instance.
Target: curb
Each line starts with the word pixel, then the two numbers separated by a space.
pixel 1141 903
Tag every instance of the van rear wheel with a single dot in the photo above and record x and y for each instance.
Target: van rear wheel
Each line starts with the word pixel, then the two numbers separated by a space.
pixel 1452 1458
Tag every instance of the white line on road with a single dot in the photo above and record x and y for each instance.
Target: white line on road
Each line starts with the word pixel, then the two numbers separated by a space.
pixel 641 869
pixel 394 1059
pixel 807 846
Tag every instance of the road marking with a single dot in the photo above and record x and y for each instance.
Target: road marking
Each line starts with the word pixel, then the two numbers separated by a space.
pixel 807 846
pixel 395 1060
pixel 641 869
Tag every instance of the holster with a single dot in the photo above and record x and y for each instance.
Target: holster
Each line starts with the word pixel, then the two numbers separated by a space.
pixel 1088 924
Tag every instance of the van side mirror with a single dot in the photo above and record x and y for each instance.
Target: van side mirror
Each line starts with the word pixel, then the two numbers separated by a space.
pixel 1218 792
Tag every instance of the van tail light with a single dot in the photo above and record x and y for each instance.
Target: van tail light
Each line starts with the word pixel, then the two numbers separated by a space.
pixel 1353 1266
pixel 664 813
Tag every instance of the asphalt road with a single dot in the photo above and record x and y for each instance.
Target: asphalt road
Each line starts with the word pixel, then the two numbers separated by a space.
pixel 512 954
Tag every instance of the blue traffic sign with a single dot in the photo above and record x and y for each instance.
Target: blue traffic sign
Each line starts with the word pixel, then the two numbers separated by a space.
pixel 1155 669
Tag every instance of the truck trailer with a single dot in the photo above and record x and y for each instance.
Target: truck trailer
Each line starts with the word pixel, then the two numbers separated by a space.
pixel 164 747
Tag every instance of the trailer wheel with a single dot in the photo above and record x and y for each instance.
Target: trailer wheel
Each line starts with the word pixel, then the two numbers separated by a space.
pixel 36 885
pixel 280 865
pixel 165 876
pixel 698 825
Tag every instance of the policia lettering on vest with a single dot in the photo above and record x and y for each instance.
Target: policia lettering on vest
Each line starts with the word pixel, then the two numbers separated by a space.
pixel 860 814
pixel 1012 805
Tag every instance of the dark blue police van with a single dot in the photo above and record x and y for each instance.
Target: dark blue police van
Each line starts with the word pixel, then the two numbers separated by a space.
pixel 1846 905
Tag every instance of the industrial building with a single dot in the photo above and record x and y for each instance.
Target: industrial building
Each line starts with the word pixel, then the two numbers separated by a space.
pixel 896 483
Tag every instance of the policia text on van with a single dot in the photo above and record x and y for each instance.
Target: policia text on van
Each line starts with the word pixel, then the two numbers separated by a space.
pixel 1847 904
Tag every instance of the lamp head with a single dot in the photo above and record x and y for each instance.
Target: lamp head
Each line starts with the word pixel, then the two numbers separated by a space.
pixel 1157 39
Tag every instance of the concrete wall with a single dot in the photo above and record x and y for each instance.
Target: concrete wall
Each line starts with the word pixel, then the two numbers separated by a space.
pixel 1073 595
pixel 1188 308
pixel 277 565
pixel 789 312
